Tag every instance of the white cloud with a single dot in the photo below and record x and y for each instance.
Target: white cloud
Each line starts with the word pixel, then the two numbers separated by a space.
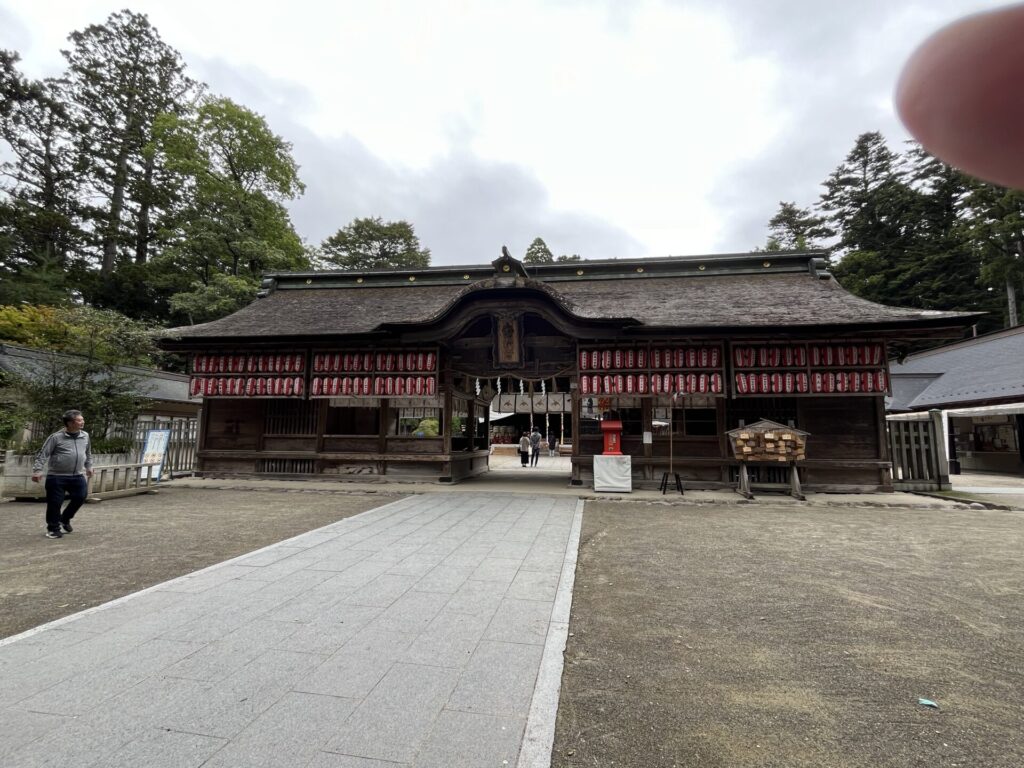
pixel 611 129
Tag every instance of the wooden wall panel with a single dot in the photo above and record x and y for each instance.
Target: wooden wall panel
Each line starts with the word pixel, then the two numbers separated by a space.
pixel 841 428
pixel 233 424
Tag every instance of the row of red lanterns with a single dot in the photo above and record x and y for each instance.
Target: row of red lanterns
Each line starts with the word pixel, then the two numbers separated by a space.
pixel 359 362
pixel 795 356
pixel 657 383
pixel 799 383
pixel 847 354
pixel 373 386
pixel 268 363
pixel 775 356
pixel 625 359
pixel 241 386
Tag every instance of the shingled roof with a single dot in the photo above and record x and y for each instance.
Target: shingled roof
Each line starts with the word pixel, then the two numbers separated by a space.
pixel 985 369
pixel 754 292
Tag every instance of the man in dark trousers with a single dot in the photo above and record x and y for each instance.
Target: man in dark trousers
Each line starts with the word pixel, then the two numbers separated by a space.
pixel 66 457
pixel 534 447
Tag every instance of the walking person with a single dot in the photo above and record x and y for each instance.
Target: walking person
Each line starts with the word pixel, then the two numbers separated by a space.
pixel 534 447
pixel 552 444
pixel 524 449
pixel 66 458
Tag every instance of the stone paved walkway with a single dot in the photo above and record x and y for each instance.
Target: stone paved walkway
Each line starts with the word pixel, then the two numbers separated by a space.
pixel 410 635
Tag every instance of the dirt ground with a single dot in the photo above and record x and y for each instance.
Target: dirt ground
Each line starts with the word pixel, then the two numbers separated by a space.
pixel 124 545
pixel 751 636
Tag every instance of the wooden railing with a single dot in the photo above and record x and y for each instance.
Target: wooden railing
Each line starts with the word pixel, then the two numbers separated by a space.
pixel 919 461
pixel 113 480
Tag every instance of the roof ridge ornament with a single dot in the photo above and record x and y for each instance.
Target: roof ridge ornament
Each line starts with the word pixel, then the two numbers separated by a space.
pixel 508 266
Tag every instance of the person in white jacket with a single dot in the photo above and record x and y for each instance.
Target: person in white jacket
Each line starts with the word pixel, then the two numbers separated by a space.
pixel 66 459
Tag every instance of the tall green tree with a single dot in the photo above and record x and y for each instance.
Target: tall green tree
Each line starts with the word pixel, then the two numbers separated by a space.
pixel 40 235
pixel 874 212
pixel 995 228
pixel 120 77
pixel 538 253
pixel 372 243
pixel 237 174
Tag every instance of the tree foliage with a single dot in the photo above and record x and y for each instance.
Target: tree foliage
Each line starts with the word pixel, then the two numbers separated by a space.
pixel 796 229
pixel 85 352
pixel 538 253
pixel 372 243
pixel 906 229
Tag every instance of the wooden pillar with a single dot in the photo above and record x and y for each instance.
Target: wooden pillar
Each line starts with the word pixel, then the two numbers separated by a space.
pixel 574 389
pixel 884 453
pixel 647 420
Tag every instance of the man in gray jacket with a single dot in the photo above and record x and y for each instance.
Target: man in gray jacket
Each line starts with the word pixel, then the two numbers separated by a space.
pixel 66 456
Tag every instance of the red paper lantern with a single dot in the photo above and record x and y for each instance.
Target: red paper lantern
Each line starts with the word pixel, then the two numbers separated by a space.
pixel 418 383
pixel 315 385
pixel 617 358
pixel 714 357
pixel 867 381
pixel 700 358
pixel 880 382
pixel 741 384
pixel 585 384
pixel 776 380
pixel 595 359
pixel 606 359
pixel 788 383
pixel 641 383
pixel 656 384
pixel 655 358
pixel 630 384
pixel 620 383
pixel 753 383
pixel 300 385
pixel 840 382
pixel 715 383
pixel 641 358
pixel 630 358
pixel 431 386
pixel 195 385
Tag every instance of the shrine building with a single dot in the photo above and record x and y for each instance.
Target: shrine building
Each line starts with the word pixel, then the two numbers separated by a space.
pixel 401 372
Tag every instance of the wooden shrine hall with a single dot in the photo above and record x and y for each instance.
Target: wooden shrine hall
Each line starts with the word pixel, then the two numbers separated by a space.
pixel 394 372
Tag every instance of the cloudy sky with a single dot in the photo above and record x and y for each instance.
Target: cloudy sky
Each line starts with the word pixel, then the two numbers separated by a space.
pixel 610 129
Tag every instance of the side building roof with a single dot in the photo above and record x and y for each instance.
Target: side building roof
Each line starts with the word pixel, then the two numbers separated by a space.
pixel 158 385
pixel 752 293
pixel 984 369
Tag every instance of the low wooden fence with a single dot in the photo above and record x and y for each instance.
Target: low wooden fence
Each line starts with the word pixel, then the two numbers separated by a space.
pixel 113 480
pixel 181 450
pixel 919 460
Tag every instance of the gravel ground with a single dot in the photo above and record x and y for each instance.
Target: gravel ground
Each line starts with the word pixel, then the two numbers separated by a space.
pixel 761 636
pixel 123 545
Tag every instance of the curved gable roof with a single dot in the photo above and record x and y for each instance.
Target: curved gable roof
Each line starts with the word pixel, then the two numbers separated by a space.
pixel 748 291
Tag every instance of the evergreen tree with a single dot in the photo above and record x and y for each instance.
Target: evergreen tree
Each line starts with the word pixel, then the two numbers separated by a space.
pixel 873 211
pixel 995 228
pixel 121 76
pixel 372 243
pixel 796 229
pixel 538 253
pixel 39 212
